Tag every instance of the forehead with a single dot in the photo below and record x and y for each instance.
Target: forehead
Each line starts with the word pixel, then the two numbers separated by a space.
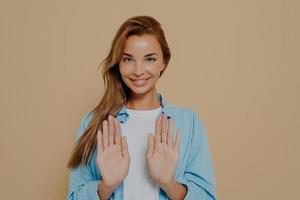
pixel 142 44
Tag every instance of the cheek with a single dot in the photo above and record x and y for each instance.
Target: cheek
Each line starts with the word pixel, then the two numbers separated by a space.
pixel 154 70
pixel 123 70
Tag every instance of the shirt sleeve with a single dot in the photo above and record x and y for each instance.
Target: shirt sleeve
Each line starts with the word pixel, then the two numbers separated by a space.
pixel 199 177
pixel 82 183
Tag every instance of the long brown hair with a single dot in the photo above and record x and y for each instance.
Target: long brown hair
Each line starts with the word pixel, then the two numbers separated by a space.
pixel 116 92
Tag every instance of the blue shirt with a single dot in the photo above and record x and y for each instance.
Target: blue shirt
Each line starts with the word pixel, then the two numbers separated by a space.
pixel 194 167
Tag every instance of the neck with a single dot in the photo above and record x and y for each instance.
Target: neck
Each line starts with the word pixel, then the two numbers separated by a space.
pixel 143 101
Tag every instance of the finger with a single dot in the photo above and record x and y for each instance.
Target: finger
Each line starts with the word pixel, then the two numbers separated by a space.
pixel 150 145
pixel 117 132
pixel 176 146
pixel 105 134
pixel 124 147
pixel 157 130
pixel 170 134
pixel 99 141
pixel 111 130
pixel 164 129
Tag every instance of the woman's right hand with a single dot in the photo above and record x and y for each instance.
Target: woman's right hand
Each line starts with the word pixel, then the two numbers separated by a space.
pixel 112 158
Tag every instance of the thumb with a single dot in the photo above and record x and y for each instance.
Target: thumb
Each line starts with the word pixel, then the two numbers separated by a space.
pixel 150 145
pixel 124 147
pixel 177 141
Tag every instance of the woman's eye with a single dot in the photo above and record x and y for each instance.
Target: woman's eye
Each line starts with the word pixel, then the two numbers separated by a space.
pixel 151 59
pixel 127 59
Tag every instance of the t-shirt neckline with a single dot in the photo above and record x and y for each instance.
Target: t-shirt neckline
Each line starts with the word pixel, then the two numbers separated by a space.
pixel 144 111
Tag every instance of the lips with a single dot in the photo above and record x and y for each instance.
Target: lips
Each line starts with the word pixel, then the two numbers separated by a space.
pixel 139 82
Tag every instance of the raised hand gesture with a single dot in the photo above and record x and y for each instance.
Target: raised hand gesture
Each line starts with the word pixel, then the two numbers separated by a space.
pixel 113 158
pixel 162 154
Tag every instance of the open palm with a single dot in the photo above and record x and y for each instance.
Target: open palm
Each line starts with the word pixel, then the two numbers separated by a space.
pixel 113 158
pixel 162 154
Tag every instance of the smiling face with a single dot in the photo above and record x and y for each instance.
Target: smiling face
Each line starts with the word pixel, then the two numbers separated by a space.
pixel 141 63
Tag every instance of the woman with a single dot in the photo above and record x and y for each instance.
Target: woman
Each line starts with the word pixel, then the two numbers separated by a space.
pixel 127 147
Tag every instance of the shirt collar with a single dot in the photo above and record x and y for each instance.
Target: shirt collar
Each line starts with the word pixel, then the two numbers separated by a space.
pixel 123 115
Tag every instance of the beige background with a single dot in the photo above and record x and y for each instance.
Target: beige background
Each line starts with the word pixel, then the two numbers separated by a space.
pixel 235 62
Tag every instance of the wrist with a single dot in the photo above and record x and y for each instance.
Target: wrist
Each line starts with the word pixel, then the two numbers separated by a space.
pixel 104 190
pixel 175 190
pixel 109 184
pixel 169 185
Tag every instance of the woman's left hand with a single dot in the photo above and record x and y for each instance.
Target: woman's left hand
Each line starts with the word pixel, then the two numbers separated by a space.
pixel 163 153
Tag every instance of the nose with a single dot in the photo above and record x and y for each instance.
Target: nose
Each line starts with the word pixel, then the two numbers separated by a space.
pixel 138 69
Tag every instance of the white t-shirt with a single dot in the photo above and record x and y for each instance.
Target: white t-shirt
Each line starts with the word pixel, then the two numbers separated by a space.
pixel 138 184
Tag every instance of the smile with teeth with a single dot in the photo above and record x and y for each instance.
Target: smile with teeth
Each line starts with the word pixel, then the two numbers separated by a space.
pixel 139 82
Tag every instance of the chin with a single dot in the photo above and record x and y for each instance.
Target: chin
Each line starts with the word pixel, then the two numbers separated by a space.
pixel 139 90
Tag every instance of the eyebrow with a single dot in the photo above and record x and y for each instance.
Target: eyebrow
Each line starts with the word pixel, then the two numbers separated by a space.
pixel 147 55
